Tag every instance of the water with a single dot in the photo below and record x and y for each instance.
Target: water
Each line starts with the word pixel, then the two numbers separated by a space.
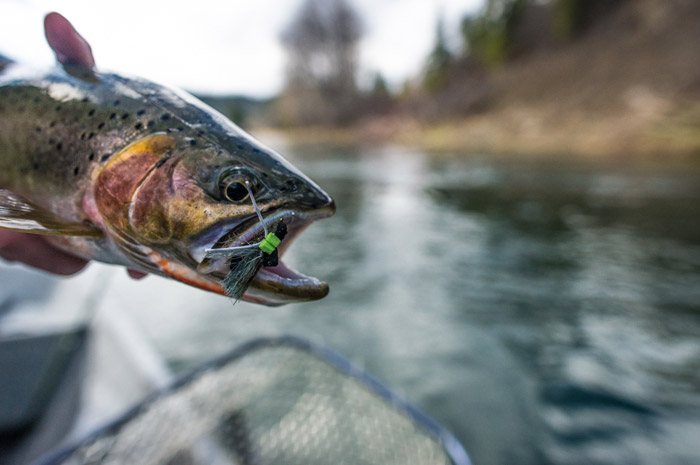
pixel 547 312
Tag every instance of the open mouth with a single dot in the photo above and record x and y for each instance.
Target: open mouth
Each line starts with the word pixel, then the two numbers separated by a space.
pixel 272 285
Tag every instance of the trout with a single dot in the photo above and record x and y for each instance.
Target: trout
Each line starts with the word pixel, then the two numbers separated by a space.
pixel 129 172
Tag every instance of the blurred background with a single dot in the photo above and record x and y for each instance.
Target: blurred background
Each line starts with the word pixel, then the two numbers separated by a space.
pixel 517 243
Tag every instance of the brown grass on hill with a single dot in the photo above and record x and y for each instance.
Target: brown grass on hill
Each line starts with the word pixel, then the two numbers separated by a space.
pixel 630 84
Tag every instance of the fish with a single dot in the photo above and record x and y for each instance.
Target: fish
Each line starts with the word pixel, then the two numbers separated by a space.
pixel 133 173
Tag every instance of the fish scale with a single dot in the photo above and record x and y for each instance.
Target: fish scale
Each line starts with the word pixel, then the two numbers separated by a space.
pixel 57 126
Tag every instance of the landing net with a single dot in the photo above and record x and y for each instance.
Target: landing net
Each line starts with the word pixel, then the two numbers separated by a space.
pixel 273 401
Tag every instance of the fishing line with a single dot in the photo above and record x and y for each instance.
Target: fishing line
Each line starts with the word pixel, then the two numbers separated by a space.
pixel 227 252
pixel 246 260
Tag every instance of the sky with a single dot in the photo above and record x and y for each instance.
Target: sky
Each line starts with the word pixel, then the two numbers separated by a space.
pixel 222 47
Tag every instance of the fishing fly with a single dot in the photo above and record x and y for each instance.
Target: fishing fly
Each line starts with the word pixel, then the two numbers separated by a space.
pixel 246 260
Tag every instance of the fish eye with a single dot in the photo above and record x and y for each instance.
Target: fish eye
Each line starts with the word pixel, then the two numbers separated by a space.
pixel 236 192
pixel 233 188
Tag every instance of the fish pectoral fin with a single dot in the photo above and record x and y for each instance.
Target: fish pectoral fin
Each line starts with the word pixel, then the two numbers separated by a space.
pixel 19 214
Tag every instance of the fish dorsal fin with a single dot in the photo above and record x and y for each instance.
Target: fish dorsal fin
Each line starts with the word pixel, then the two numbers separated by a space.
pixel 70 48
pixel 19 214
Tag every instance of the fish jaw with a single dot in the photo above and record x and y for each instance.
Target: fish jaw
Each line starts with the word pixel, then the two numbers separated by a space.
pixel 280 285
pixel 272 286
pixel 184 274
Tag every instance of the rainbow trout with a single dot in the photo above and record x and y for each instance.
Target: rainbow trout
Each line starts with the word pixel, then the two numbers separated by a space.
pixel 129 172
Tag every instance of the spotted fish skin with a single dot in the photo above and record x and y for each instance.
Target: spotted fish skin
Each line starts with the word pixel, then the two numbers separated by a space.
pixel 60 127
pixel 56 129
pixel 142 165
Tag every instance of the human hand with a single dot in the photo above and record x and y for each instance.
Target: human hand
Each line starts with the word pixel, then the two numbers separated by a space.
pixel 35 251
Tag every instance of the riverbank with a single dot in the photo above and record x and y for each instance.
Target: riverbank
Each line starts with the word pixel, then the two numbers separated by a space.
pixel 524 130
pixel 628 86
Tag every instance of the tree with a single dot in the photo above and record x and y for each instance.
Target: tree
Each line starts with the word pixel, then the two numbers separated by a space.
pixel 380 89
pixel 489 36
pixel 321 44
pixel 571 17
pixel 378 100
pixel 439 61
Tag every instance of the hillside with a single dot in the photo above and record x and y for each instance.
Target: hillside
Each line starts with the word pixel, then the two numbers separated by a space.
pixel 629 84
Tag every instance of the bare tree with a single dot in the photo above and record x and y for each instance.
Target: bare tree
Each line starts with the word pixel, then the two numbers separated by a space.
pixel 321 44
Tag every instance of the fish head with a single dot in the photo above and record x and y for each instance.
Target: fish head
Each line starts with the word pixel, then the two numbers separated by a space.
pixel 167 199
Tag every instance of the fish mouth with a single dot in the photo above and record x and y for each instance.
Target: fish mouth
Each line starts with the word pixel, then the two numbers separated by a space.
pixel 272 285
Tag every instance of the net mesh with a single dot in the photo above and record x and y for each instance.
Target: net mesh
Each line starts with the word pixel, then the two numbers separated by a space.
pixel 277 405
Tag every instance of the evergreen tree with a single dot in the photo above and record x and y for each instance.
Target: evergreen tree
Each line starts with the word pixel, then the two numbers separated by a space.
pixel 439 61
pixel 489 36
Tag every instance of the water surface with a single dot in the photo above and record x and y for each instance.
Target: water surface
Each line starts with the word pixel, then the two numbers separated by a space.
pixel 547 312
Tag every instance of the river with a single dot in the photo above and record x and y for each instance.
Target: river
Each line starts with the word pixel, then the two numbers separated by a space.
pixel 547 311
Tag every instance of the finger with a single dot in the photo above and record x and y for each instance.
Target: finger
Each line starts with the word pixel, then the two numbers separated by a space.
pixel 34 251
pixel 136 274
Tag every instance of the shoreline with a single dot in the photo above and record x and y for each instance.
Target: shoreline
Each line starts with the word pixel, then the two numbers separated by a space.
pixel 520 132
